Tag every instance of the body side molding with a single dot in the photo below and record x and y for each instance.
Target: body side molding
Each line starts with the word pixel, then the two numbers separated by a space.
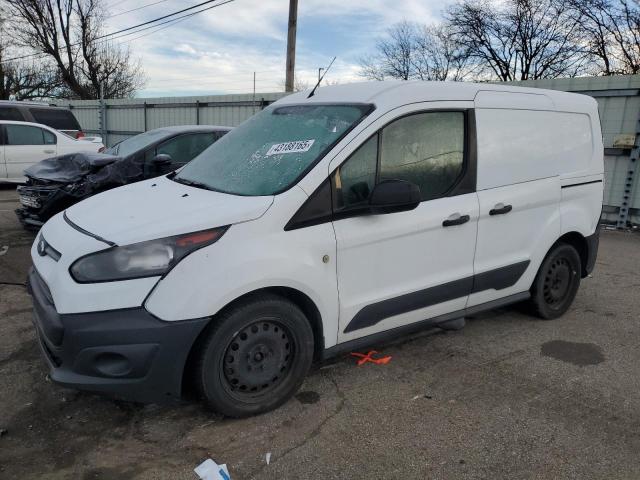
pixel 580 184
pixel 497 279
pixel 387 335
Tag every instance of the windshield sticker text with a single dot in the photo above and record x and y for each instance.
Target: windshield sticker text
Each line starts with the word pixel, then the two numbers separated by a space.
pixel 290 147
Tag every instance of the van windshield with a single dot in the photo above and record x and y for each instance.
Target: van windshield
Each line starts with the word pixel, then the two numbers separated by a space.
pixel 271 150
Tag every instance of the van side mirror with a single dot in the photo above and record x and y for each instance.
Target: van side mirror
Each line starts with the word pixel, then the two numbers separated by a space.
pixel 161 160
pixel 392 196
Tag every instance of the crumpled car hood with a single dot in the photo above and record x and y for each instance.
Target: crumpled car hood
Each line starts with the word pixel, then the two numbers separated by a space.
pixel 69 168
pixel 160 208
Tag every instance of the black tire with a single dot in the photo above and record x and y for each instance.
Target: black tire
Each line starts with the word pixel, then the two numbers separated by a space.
pixel 255 356
pixel 556 282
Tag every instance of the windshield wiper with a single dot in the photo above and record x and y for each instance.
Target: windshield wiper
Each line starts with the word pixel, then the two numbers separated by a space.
pixel 191 183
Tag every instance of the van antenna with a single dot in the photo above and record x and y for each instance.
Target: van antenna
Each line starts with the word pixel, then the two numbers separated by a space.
pixel 320 79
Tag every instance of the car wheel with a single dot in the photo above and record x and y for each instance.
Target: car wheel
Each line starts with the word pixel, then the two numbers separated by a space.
pixel 557 282
pixel 255 356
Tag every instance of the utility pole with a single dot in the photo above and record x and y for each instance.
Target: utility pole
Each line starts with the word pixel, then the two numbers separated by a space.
pixel 291 45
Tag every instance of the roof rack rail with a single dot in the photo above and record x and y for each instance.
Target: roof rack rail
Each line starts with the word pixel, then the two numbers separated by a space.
pixel 23 102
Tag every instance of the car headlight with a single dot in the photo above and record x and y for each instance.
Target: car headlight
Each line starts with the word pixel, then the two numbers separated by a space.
pixel 145 259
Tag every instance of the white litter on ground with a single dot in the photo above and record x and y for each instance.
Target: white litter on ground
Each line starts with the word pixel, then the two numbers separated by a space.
pixel 210 470
pixel 268 457
pixel 3 250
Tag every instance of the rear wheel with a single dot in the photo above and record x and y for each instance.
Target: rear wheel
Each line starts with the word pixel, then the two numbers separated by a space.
pixel 557 282
pixel 255 356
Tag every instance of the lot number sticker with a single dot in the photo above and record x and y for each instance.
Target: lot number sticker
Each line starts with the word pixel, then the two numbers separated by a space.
pixel 290 147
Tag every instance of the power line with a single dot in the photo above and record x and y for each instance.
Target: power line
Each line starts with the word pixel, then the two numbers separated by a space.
pixel 137 8
pixel 175 20
pixel 163 17
pixel 171 24
pixel 111 36
pixel 118 3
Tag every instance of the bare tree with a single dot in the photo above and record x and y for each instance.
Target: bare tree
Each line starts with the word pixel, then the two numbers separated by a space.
pixel 27 82
pixel 411 51
pixel 611 30
pixel 22 79
pixel 68 32
pixel 299 85
pixel 440 56
pixel 519 39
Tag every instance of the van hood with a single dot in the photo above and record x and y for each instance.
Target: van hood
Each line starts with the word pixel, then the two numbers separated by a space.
pixel 160 208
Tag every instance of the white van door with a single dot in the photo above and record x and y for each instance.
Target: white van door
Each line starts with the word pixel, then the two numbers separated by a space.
pixel 399 268
pixel 519 195
pixel 25 146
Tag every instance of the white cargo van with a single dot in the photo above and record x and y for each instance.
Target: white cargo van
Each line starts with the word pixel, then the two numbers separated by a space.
pixel 323 224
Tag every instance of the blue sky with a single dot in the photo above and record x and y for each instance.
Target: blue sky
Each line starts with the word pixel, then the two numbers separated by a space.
pixel 218 51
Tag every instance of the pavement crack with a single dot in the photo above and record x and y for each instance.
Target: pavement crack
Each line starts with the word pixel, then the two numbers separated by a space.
pixel 313 434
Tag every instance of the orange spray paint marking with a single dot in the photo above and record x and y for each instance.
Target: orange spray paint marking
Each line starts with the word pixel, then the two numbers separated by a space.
pixel 369 358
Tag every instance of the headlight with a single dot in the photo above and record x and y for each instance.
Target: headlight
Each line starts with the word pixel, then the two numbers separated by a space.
pixel 144 259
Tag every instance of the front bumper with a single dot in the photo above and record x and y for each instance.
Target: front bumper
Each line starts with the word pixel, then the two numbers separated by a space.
pixel 30 218
pixel 128 354
pixel 41 202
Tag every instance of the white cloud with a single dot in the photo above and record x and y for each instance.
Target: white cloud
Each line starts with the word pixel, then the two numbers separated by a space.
pixel 219 50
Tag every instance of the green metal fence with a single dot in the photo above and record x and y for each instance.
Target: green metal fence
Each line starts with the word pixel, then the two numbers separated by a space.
pixel 116 120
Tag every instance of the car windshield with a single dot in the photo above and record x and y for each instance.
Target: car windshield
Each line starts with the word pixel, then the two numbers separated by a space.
pixel 271 150
pixel 137 143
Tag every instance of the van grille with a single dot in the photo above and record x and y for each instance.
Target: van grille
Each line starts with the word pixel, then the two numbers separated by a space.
pixel 45 249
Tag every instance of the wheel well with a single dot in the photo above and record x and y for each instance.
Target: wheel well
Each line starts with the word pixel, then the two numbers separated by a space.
pixel 302 301
pixel 578 242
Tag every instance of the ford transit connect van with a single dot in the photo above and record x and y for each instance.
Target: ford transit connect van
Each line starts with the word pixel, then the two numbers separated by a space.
pixel 324 223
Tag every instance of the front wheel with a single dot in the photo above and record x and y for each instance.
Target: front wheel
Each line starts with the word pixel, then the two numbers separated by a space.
pixel 557 282
pixel 255 356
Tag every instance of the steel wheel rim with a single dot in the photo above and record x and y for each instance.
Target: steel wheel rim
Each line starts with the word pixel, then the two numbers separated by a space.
pixel 557 282
pixel 257 359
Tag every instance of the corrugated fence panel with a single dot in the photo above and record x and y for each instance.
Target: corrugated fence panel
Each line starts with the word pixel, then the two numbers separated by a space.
pixel 87 115
pixel 615 170
pixel 125 120
pixel 126 117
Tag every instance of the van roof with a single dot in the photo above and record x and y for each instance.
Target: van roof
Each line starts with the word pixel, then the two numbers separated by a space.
pixel 397 92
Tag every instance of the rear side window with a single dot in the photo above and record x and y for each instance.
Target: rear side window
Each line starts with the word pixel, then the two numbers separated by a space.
pixel 49 138
pixel 426 149
pixel 55 118
pixel 25 135
pixel 10 113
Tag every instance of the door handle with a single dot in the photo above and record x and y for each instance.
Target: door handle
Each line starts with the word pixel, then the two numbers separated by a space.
pixel 452 220
pixel 500 209
pixel 49 151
